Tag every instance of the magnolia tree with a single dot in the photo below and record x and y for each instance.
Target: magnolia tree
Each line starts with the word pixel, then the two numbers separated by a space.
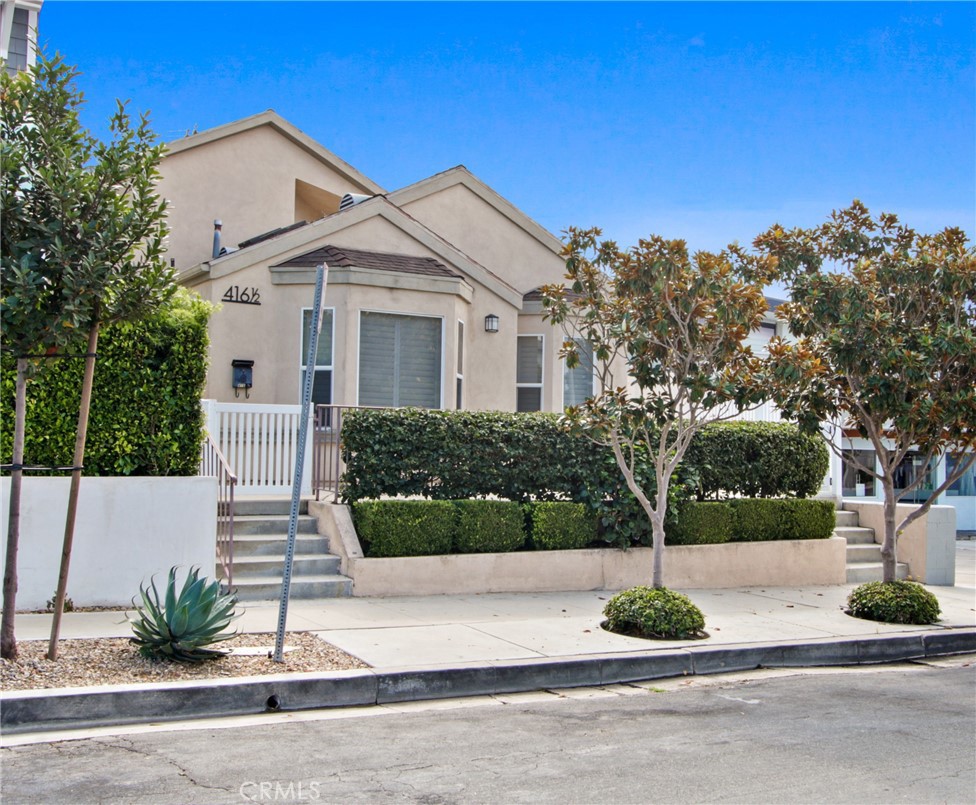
pixel 884 322
pixel 666 332
pixel 83 234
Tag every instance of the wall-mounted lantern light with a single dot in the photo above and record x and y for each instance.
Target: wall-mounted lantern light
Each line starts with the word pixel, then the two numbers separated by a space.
pixel 491 323
pixel 243 376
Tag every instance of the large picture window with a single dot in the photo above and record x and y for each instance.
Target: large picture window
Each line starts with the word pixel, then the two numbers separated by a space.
pixel 399 360
pixel 322 380
pixel 528 373
pixel 578 381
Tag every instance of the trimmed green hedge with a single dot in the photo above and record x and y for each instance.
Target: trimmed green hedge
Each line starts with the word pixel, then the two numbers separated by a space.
pixel 455 455
pixel 758 520
pixel 430 527
pixel 708 523
pixel 751 520
pixel 405 527
pixel 145 415
pixel 562 526
pixel 757 459
pixel 451 455
pixel 488 526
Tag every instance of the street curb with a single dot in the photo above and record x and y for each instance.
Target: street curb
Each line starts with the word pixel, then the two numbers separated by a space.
pixel 76 708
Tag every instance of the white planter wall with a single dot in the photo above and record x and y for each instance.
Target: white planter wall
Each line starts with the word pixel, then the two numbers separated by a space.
pixel 127 530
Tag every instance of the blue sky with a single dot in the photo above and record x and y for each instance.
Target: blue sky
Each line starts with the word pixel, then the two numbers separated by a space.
pixel 703 121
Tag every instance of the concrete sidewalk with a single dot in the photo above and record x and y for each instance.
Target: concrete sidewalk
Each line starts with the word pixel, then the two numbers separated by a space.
pixel 449 629
pixel 463 645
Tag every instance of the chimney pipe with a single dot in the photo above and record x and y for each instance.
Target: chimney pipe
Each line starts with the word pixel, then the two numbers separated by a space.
pixel 216 239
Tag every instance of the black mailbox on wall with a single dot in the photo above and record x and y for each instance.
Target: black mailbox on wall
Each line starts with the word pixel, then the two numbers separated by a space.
pixel 243 376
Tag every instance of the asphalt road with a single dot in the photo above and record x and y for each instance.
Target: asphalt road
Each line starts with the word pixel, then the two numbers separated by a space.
pixel 903 734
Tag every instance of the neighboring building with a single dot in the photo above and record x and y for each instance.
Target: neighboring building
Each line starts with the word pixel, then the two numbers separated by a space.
pixel 18 32
pixel 432 290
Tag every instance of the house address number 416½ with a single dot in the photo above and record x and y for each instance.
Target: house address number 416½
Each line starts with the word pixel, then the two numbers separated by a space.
pixel 242 296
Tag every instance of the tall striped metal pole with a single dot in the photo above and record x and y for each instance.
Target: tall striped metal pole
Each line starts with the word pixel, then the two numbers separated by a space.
pixel 296 490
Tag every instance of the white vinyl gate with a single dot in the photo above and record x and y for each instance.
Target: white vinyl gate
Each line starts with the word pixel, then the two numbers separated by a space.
pixel 260 443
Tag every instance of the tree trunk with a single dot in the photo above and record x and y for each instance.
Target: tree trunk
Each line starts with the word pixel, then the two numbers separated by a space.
pixel 657 525
pixel 657 531
pixel 8 639
pixel 78 461
pixel 889 555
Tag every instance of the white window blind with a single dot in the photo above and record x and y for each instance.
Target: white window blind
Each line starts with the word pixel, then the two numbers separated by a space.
pixel 528 373
pixel 399 360
pixel 578 381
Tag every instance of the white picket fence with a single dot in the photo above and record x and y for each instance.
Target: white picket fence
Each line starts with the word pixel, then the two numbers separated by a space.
pixel 260 443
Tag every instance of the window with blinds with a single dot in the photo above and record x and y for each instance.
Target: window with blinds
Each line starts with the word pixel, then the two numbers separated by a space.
pixel 578 381
pixel 322 380
pixel 399 360
pixel 528 373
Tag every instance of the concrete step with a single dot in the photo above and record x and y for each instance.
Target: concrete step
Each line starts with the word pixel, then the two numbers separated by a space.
pixel 855 535
pixel 246 545
pixel 269 506
pixel 320 564
pixel 845 518
pixel 872 571
pixel 856 554
pixel 272 524
pixel 268 588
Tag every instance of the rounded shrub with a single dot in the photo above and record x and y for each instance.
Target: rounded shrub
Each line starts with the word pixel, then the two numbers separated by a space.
pixel 893 602
pixel 656 613
pixel 489 526
pixel 562 526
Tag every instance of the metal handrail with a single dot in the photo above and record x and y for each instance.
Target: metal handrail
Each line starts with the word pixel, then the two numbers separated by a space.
pixel 327 464
pixel 213 463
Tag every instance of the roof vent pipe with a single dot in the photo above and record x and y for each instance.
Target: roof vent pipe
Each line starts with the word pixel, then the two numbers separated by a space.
pixel 351 200
pixel 216 240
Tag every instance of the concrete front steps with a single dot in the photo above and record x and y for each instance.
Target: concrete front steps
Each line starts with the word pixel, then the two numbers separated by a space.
pixel 863 553
pixel 260 544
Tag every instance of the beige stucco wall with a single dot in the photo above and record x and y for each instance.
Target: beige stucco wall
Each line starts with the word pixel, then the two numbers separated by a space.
pixel 270 333
pixel 927 546
pixel 780 563
pixel 482 232
pixel 248 180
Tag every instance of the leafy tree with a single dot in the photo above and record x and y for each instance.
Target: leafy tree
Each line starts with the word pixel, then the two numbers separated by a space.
pixel 885 327
pixel 667 335
pixel 82 245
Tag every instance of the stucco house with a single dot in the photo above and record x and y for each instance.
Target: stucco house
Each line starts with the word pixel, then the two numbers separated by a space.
pixel 432 291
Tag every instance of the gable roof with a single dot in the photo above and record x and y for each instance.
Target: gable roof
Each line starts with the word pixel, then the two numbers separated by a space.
pixel 292 133
pixel 460 175
pixel 377 207
pixel 341 256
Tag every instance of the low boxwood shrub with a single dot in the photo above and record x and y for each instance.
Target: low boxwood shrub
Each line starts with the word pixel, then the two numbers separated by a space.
pixel 760 519
pixel 405 527
pixel 488 526
pixel 893 602
pixel 562 526
pixel 657 613
pixel 707 523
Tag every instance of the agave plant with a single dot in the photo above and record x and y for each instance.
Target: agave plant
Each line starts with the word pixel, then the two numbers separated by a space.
pixel 189 622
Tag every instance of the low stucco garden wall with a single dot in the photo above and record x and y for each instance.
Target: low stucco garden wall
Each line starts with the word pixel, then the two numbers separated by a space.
pixel 928 546
pixel 127 529
pixel 780 563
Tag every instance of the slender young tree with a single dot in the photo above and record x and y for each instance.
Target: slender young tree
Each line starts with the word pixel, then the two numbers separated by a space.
pixel 666 332
pixel 884 321
pixel 107 227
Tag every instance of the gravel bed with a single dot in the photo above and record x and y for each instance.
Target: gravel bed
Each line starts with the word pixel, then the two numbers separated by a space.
pixel 116 661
